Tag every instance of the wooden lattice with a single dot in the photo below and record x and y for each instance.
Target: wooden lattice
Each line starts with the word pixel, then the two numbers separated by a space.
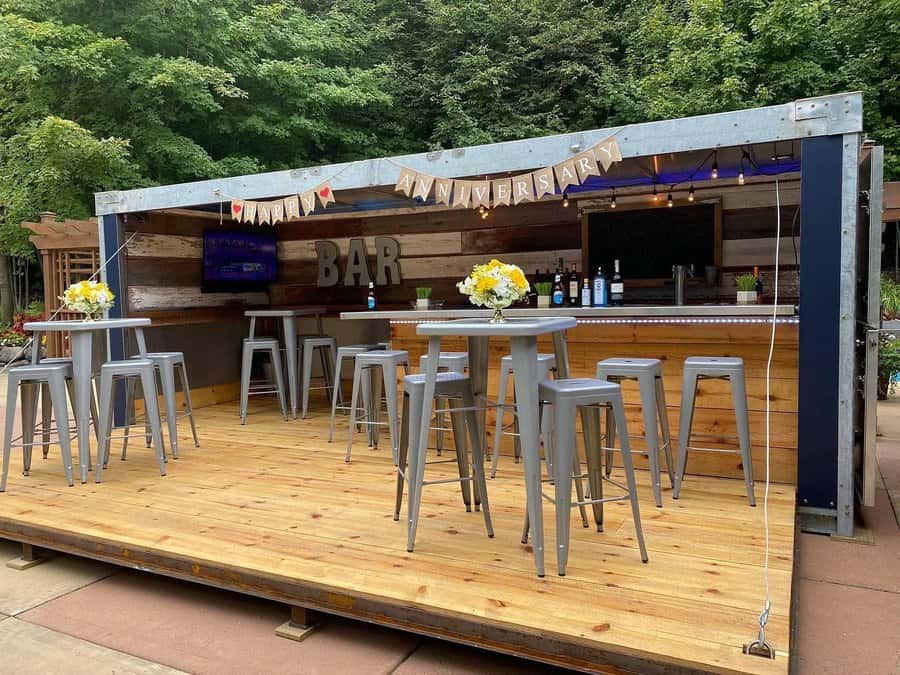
pixel 70 252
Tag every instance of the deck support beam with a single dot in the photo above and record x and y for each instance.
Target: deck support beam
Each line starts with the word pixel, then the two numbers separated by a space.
pixel 29 558
pixel 300 626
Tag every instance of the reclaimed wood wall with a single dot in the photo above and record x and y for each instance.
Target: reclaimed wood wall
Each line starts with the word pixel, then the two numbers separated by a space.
pixel 437 248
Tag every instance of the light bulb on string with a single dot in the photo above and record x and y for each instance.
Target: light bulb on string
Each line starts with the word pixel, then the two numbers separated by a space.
pixel 655 192
pixel 669 201
pixel 484 213
pixel 612 202
pixel 565 199
pixel 691 192
pixel 714 174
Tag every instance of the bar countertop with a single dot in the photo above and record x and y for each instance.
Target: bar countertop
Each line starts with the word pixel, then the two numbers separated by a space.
pixel 626 312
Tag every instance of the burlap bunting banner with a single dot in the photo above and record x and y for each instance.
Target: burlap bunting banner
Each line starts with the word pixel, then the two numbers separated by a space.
pixel 523 189
pixel 462 191
pixel 481 194
pixel 443 188
pixel 281 210
pixel 308 202
pixel 264 212
pixel 423 186
pixel 249 212
pixel 543 182
pixel 292 207
pixel 277 211
pixel 502 188
pixel 326 194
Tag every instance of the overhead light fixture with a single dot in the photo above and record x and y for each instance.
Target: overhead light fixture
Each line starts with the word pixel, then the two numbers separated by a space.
pixel 714 174
pixel 669 201
pixel 691 192
pixel 612 202
pixel 565 201
pixel 744 155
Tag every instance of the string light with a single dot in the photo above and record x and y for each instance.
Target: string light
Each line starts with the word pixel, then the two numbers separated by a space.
pixel 655 192
pixel 612 202
pixel 691 192
pixel 669 201
pixel 565 201
pixel 484 214
pixel 714 174
pixel 744 155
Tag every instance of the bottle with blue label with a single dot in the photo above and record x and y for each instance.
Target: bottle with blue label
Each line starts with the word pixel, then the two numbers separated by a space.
pixel 601 291
pixel 559 294
pixel 370 301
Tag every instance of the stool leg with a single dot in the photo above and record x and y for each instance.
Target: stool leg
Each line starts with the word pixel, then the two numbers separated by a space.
pixel 590 422
pixel 415 473
pixel 167 377
pixel 517 439
pixel 401 460
pixel 190 406
pixel 46 413
pixel 29 412
pixel 663 412
pixel 547 435
pixel 151 407
pixel 354 401
pixel 106 414
pixel 12 390
pixel 390 395
pixel 686 417
pixel 498 426
pixel 564 429
pixel 306 377
pixel 476 439
pixel 647 388
pixel 610 441
pixel 279 382
pixel 458 422
pixel 579 483
pixel 130 385
pixel 338 360
pixel 619 412
pixel 246 365
pixel 739 397
pixel 439 424
pixel 377 385
pixel 57 387
pixel 368 414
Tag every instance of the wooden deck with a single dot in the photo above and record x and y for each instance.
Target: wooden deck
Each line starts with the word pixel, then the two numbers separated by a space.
pixel 272 510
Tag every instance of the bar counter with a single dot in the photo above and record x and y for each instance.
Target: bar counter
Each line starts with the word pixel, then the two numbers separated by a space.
pixel 671 334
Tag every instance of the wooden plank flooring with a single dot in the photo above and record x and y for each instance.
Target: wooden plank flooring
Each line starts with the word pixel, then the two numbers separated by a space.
pixel 271 509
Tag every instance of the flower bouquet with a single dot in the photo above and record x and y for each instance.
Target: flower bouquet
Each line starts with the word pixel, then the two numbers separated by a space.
pixel 496 285
pixel 91 298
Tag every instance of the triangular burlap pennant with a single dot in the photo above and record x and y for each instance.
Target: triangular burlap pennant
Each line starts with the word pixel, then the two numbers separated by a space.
pixel 308 202
pixel 423 186
pixel 481 194
pixel 522 189
pixel 325 194
pixel 237 209
pixel 462 191
pixel 443 188
pixel 250 211
pixel 566 174
pixel 502 189
pixel 292 207
pixel 405 181
pixel 607 152
pixel 586 165
pixel 264 210
pixel 277 211
pixel 543 182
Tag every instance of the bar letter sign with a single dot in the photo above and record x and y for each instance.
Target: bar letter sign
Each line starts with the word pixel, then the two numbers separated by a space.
pixel 356 263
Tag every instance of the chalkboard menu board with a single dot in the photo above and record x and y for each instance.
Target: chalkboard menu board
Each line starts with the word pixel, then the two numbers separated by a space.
pixel 649 241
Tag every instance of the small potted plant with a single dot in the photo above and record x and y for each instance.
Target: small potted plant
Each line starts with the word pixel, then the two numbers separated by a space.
pixel 423 295
pixel 544 291
pixel 746 289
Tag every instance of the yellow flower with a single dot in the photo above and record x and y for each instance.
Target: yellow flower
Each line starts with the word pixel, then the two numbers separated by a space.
pixel 485 283
pixel 518 279
pixel 494 264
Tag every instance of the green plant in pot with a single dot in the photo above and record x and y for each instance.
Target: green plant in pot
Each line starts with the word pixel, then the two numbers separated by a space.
pixel 746 289
pixel 423 297
pixel 544 290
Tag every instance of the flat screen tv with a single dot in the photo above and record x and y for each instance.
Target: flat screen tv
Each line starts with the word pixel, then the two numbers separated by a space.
pixel 235 262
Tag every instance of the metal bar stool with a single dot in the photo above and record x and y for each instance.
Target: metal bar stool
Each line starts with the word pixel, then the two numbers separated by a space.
pixel 411 465
pixel 327 347
pixel 131 368
pixel 589 395
pixel 448 362
pixel 719 368
pixel 546 365
pixel 29 378
pixel 350 352
pixel 166 363
pixel 388 361
pixel 47 406
pixel 648 374
pixel 249 348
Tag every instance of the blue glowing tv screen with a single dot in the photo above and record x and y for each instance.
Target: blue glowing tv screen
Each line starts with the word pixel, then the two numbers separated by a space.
pixel 238 261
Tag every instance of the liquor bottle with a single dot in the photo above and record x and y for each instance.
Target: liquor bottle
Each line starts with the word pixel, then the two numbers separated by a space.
pixel 586 293
pixel 573 286
pixel 370 300
pixel 559 294
pixel 759 286
pixel 601 297
pixel 617 287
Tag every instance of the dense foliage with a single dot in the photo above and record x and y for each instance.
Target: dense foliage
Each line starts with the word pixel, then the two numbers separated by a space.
pixel 103 95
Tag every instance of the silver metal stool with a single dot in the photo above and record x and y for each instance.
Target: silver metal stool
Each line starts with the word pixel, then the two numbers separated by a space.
pixel 722 368
pixel 47 407
pixel 546 365
pixel 166 363
pixel 29 378
pixel 349 352
pixel 131 368
pixel 327 347
pixel 448 362
pixel 411 466
pixel 249 347
pixel 567 396
pixel 388 360
pixel 648 374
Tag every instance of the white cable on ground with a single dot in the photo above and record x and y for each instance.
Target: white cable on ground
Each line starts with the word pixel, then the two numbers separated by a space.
pixel 24 348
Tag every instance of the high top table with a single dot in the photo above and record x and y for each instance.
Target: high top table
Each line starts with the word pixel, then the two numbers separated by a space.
pixel 82 336
pixel 287 317
pixel 523 334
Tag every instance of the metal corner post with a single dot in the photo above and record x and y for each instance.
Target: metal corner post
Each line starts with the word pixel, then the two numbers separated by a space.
pixel 112 272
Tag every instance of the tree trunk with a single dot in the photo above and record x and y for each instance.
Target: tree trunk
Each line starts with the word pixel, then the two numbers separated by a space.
pixel 6 292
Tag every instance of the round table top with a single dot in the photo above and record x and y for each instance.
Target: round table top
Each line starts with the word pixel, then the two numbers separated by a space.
pixel 82 325
pixel 296 311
